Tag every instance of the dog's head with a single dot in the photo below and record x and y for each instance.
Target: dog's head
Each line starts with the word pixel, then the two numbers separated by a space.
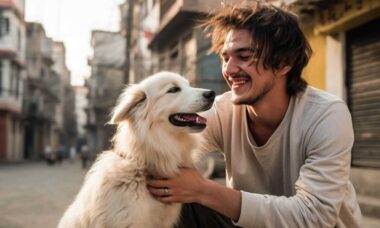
pixel 164 100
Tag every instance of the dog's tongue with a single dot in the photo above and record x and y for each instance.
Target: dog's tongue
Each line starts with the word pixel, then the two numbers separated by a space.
pixel 194 118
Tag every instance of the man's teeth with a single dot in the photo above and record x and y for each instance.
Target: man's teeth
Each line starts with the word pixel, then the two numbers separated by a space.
pixel 237 81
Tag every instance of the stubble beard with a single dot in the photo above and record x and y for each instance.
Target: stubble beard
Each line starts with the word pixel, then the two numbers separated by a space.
pixel 254 99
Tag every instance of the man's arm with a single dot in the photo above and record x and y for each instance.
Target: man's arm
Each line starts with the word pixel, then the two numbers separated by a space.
pixel 189 186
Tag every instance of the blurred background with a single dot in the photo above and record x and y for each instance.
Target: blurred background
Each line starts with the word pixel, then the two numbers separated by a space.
pixel 63 64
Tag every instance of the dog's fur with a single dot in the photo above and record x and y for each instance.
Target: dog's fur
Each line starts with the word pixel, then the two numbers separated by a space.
pixel 114 193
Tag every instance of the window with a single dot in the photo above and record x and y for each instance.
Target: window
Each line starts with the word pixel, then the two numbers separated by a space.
pixel 19 39
pixel 14 80
pixel 42 73
pixel 4 25
pixel 1 77
pixel 17 81
pixel 29 31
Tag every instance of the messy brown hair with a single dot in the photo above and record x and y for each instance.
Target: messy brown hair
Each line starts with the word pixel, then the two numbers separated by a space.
pixel 276 35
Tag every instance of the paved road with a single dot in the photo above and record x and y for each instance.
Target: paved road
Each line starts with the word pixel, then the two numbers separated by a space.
pixel 34 195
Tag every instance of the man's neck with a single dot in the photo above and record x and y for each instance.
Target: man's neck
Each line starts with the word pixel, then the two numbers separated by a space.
pixel 265 116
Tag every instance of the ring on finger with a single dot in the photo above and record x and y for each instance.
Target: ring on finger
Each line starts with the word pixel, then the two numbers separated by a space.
pixel 166 191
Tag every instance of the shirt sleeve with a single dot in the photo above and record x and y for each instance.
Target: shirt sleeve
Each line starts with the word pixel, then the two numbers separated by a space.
pixel 211 137
pixel 322 183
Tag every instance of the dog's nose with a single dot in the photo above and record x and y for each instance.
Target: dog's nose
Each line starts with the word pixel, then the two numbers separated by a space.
pixel 210 95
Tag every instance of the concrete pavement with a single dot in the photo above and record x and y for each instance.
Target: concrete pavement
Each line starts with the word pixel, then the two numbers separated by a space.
pixel 35 195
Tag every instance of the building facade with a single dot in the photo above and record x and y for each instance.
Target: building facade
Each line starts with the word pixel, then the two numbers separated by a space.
pixel 65 110
pixel 104 86
pixel 41 94
pixel 345 37
pixel 81 103
pixel 12 73
pixel 164 37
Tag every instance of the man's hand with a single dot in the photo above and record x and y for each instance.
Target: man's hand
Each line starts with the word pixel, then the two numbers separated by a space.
pixel 190 186
pixel 186 187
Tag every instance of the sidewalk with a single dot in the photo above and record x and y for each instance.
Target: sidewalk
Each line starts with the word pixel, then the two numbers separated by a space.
pixel 35 195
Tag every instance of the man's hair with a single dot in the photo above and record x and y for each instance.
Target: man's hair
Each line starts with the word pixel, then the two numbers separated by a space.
pixel 277 38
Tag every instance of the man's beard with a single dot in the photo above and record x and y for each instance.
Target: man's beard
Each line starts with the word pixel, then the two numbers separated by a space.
pixel 255 99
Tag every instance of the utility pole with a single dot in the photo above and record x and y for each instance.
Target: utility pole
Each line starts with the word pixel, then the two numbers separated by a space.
pixel 128 37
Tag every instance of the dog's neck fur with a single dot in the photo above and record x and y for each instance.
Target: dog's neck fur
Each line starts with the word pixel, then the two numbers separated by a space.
pixel 166 149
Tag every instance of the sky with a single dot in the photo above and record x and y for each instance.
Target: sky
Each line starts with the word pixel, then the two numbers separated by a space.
pixel 72 21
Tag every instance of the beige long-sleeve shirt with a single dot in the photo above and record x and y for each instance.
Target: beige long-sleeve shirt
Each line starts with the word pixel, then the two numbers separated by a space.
pixel 300 177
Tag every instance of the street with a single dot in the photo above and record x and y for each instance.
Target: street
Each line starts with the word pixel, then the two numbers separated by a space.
pixel 35 195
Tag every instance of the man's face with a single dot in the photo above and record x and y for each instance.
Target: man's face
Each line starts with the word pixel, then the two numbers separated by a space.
pixel 248 83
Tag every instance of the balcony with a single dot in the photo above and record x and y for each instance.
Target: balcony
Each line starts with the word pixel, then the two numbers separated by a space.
pixel 16 5
pixel 42 99
pixel 177 14
pixel 9 102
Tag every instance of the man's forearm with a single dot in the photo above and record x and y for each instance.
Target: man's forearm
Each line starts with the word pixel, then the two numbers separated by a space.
pixel 222 199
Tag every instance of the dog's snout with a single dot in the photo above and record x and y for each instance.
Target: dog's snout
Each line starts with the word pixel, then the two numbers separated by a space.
pixel 210 95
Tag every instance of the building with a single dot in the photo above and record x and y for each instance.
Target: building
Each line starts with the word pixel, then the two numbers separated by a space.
pixel 41 95
pixel 345 37
pixel 12 73
pixel 145 22
pixel 81 103
pixel 178 45
pixel 104 87
pixel 65 116
pixel 60 68
pixel 164 37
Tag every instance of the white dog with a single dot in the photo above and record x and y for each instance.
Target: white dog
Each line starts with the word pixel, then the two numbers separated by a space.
pixel 155 119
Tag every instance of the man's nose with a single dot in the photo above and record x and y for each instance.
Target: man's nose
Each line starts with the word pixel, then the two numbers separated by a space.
pixel 230 67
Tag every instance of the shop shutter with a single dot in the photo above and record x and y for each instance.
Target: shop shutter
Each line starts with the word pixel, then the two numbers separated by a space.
pixel 363 83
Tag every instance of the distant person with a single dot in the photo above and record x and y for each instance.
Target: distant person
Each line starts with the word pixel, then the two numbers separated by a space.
pixel 49 155
pixel 60 153
pixel 84 155
pixel 72 154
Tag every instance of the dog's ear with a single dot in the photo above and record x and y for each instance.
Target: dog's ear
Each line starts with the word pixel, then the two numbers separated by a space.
pixel 128 100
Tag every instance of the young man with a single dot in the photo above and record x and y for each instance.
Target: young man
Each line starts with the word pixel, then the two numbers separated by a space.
pixel 287 146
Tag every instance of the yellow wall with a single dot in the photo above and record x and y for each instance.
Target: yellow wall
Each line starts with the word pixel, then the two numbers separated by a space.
pixel 345 15
pixel 337 18
pixel 314 73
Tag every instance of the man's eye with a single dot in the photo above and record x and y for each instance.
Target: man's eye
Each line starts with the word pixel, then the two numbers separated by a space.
pixel 245 58
pixel 174 89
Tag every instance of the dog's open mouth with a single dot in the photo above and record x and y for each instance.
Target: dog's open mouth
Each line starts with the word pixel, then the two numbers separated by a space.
pixel 188 120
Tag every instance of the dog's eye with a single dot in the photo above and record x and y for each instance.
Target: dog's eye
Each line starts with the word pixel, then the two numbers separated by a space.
pixel 174 89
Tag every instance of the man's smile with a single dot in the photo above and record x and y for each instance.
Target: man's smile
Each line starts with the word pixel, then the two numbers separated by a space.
pixel 238 82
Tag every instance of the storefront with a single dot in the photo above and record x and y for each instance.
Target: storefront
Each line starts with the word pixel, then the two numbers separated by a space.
pixel 363 83
pixel 345 37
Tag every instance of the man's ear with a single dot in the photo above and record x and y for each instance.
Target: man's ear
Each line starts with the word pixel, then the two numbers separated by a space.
pixel 128 100
pixel 284 70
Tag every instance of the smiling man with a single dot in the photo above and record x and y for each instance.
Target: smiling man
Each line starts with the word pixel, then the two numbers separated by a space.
pixel 287 145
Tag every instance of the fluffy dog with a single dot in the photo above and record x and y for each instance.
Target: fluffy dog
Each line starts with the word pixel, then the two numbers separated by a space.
pixel 155 119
